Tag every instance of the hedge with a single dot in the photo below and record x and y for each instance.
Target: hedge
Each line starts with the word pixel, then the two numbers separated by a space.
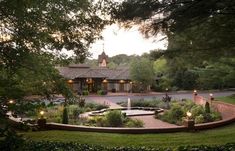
pixel 73 146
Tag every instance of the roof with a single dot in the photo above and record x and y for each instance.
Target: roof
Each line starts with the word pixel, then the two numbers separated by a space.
pixel 98 72
pixel 102 56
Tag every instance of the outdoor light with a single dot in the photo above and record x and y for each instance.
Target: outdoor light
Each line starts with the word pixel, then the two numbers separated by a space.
pixel 195 92
pixel 189 114
pixel 41 113
pixel 166 89
pixel 70 81
pixel 211 97
pixel 105 81
pixel 122 81
pixel 11 101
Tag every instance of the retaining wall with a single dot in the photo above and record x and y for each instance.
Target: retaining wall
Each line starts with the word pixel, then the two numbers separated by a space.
pixel 227 111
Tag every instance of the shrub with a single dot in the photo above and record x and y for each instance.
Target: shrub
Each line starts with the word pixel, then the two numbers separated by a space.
pixel 114 118
pixel 176 113
pixel 94 106
pixel 102 92
pixel 199 119
pixel 216 116
pixel 144 103
pixel 208 117
pixel 134 123
pixel 197 110
pixel 207 107
pixel 85 92
pixel 101 121
pixel 52 146
pixel 81 101
pixel 65 119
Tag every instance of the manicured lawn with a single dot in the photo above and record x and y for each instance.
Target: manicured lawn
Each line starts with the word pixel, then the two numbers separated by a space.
pixel 227 99
pixel 210 137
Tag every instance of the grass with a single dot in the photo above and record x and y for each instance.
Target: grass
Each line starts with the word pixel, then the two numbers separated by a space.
pixel 210 137
pixel 228 99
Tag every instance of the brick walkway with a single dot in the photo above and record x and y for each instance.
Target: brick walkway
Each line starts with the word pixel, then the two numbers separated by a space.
pixel 150 121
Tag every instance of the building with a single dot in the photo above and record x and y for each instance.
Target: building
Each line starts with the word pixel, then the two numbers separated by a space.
pixel 83 77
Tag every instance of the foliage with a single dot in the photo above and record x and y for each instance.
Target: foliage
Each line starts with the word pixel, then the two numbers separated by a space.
pixel 53 146
pixel 134 123
pixel 144 103
pixel 33 33
pixel 94 106
pixel 174 115
pixel 178 110
pixel 12 141
pixel 114 118
pixel 216 75
pixel 85 92
pixel 200 50
pixel 199 119
pixel 65 118
pixel 142 72
pixel 207 107
pixel 81 101
pixel 192 27
pixel 102 92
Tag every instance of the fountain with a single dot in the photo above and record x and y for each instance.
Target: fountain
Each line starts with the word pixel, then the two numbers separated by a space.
pixel 128 104
pixel 135 111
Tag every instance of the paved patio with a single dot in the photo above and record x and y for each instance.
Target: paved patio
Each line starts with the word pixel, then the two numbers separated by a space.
pixel 150 122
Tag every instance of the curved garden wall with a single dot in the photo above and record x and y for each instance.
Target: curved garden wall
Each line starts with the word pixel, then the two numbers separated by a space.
pixel 227 111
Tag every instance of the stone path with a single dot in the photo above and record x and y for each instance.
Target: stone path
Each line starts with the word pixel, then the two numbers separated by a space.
pixel 150 122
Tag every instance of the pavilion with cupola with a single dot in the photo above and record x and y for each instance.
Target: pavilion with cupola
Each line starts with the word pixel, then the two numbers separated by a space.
pixel 83 77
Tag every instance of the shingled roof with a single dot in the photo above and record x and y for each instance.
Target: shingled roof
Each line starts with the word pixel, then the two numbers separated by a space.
pixel 103 56
pixel 72 72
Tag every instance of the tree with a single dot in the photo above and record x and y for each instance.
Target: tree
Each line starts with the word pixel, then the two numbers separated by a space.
pixel 141 71
pixel 192 27
pixel 30 28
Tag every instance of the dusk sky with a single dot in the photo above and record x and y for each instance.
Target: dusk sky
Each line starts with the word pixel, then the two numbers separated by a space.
pixel 122 41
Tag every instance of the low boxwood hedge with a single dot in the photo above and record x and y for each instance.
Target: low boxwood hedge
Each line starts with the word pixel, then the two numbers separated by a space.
pixel 73 146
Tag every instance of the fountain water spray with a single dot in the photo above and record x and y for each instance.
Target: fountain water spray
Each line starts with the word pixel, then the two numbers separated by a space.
pixel 128 104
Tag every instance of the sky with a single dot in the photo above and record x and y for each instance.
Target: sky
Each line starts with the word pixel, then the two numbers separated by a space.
pixel 117 40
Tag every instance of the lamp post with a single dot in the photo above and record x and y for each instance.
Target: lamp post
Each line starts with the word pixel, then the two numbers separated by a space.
pixel 11 106
pixel 166 90
pixel 42 120
pixel 211 98
pixel 194 95
pixel 189 122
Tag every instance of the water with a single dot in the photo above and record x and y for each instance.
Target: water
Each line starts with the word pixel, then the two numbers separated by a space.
pixel 128 104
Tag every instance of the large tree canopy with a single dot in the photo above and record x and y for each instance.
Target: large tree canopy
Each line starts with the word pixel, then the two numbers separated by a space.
pixel 142 73
pixel 193 27
pixel 30 28
pixel 33 26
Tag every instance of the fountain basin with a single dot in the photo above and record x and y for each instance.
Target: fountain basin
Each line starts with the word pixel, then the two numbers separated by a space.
pixel 134 111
